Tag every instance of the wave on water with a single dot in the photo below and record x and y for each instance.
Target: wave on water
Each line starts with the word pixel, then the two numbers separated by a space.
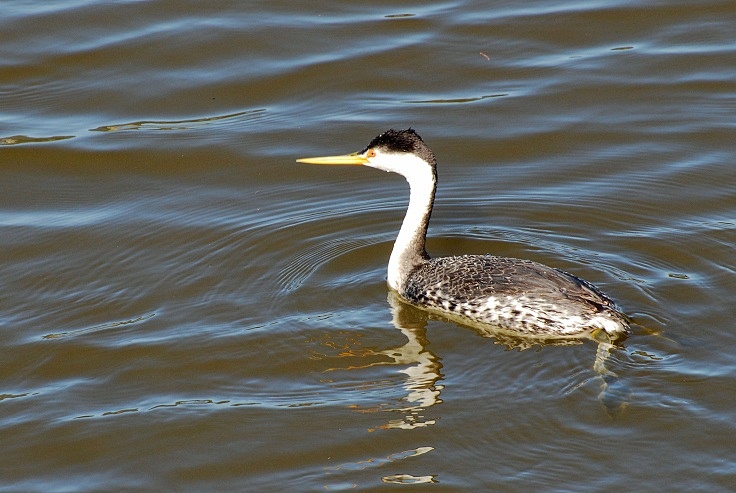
pixel 179 125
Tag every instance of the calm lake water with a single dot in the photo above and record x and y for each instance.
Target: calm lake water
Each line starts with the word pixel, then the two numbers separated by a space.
pixel 184 307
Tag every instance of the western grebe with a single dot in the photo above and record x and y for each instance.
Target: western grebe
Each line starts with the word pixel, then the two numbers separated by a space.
pixel 520 297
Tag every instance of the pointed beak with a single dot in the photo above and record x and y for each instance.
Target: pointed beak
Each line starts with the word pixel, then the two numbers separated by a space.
pixel 354 159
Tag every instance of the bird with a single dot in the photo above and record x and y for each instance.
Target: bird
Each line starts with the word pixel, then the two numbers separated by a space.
pixel 517 297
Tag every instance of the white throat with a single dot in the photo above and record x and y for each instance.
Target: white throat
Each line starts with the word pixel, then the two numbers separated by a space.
pixel 408 252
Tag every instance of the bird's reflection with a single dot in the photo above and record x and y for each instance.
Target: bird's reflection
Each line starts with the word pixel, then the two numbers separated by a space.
pixel 423 375
pixel 423 368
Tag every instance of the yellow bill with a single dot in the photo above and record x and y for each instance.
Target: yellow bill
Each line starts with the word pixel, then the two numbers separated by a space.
pixel 354 159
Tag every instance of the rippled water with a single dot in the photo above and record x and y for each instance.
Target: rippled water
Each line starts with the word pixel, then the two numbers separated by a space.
pixel 184 307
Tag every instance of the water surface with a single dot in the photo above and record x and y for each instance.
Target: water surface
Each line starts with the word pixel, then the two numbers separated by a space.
pixel 184 307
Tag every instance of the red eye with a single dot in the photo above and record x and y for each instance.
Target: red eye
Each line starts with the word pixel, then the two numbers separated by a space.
pixel 370 153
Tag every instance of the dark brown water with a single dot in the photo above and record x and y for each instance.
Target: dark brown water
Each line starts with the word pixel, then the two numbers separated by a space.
pixel 183 307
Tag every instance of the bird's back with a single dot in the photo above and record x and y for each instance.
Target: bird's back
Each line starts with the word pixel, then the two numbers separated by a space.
pixel 517 295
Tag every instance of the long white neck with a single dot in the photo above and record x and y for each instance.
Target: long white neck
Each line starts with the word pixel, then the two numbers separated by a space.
pixel 409 251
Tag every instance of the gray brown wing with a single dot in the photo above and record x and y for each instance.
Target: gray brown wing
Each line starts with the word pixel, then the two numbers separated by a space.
pixel 474 277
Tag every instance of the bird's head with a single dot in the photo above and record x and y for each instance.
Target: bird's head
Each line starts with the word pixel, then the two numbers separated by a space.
pixel 399 151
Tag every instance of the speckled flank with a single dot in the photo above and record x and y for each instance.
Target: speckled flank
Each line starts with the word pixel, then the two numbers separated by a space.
pixel 517 295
